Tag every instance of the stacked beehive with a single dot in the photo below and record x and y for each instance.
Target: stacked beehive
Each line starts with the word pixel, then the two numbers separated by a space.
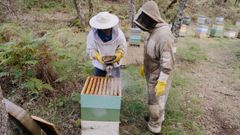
pixel 135 37
pixel 100 106
pixel 217 28
pixel 201 30
pixel 238 25
pixel 186 20
pixel 183 30
pixel 184 27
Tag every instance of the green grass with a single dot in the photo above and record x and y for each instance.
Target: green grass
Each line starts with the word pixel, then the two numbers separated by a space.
pixel 191 52
pixel 181 111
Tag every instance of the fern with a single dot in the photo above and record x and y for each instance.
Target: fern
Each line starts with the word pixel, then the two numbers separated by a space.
pixel 35 85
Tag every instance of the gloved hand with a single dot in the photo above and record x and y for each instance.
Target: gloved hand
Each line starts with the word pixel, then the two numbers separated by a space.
pixel 160 88
pixel 142 71
pixel 118 55
pixel 98 57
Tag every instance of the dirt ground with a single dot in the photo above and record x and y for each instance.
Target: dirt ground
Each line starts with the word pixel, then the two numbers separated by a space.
pixel 134 55
pixel 218 87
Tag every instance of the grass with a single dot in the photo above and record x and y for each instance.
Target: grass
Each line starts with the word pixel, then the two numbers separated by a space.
pixel 181 111
pixel 190 52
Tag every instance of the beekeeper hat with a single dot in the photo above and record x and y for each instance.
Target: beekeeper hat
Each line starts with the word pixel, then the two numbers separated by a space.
pixel 103 20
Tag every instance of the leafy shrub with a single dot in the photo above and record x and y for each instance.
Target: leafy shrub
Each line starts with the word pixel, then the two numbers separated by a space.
pixel 25 60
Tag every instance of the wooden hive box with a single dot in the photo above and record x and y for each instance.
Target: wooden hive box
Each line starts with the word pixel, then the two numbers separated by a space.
pixel 183 30
pixel 100 106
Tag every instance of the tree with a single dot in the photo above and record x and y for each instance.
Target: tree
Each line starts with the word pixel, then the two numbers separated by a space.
pixel 4 123
pixel 79 16
pixel 170 6
pixel 177 20
pixel 237 3
pixel 90 9
pixel 132 11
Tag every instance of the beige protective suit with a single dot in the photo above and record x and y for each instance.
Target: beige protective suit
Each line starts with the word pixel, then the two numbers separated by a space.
pixel 158 64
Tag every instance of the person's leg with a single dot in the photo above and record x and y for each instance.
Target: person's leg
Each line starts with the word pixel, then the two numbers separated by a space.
pixel 116 72
pixel 99 72
pixel 156 109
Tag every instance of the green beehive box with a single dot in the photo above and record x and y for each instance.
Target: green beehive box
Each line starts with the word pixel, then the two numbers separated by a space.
pixel 100 106
pixel 217 31
pixel 135 37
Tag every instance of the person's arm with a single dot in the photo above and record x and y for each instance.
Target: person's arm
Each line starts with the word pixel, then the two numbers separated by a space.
pixel 166 67
pixel 121 49
pixel 92 49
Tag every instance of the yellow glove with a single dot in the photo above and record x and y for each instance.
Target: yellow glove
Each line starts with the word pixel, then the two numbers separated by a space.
pixel 118 55
pixel 160 88
pixel 142 71
pixel 98 57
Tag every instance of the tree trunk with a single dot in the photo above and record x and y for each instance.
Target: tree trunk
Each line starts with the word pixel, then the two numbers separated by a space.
pixel 4 123
pixel 78 12
pixel 177 20
pixel 132 11
pixel 237 3
pixel 170 6
pixel 90 10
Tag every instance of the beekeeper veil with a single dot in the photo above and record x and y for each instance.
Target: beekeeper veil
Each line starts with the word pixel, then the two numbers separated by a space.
pixel 148 16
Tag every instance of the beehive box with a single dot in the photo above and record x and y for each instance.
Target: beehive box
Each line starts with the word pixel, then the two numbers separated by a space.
pixel 183 30
pixel 100 106
pixel 135 37
pixel 238 23
pixel 201 31
pixel 230 33
pixel 186 20
pixel 201 20
pixel 217 31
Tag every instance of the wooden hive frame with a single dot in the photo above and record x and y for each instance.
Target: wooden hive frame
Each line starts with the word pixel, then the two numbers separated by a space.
pixel 102 86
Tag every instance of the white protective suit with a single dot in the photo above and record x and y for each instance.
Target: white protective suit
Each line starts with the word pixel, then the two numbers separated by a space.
pixel 95 44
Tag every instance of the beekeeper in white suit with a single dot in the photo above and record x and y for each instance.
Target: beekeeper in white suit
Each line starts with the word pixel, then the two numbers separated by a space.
pixel 105 39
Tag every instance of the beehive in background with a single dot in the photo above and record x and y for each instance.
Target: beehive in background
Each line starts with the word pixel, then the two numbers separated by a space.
pixel 201 30
pixel 217 28
pixel 238 23
pixel 135 37
pixel 201 20
pixel 230 33
pixel 183 30
pixel 186 20
pixel 100 106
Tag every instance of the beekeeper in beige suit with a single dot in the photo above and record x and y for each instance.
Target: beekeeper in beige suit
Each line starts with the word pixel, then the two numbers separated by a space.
pixel 158 62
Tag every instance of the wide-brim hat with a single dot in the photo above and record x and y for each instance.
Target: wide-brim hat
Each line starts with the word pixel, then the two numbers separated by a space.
pixel 103 20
